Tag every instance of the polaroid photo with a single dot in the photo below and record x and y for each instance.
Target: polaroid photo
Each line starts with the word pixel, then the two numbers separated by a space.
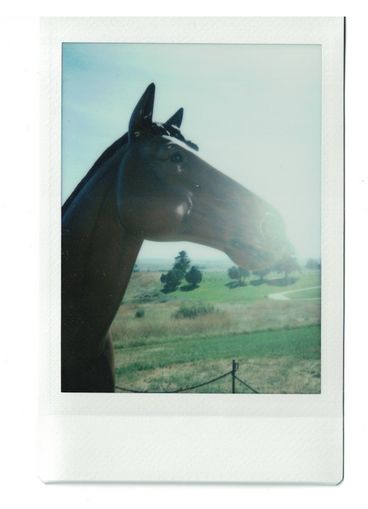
pixel 192 250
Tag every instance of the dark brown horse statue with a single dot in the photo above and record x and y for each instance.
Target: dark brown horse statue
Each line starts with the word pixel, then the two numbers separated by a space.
pixel 149 184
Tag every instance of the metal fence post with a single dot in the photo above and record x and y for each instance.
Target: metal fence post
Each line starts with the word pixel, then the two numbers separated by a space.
pixel 233 376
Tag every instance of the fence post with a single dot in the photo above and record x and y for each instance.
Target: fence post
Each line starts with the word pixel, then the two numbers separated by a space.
pixel 233 370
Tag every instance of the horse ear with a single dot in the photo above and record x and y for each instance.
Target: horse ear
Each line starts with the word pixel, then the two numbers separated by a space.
pixel 142 114
pixel 176 119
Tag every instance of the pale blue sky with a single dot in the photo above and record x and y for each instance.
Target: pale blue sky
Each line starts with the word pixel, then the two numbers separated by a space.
pixel 254 111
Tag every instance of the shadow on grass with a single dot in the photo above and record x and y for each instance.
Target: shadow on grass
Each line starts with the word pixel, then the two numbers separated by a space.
pixel 282 281
pixel 258 282
pixel 188 288
pixel 235 284
pixel 183 288
pixel 168 290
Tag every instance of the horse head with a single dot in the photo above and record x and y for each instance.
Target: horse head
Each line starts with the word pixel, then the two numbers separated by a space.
pixel 166 192
pixel 150 184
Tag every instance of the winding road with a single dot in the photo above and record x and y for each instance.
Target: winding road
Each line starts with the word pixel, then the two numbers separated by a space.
pixel 283 295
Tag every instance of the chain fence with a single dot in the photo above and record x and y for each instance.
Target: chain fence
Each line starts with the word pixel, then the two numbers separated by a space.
pixel 232 373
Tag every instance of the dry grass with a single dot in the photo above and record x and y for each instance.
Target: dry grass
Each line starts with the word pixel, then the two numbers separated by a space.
pixel 266 375
pixel 159 322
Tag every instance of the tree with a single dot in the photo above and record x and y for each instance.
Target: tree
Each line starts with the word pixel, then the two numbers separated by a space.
pixel 261 273
pixel 234 273
pixel 239 274
pixel 171 280
pixel 193 276
pixel 244 273
pixel 287 266
pixel 182 262
pixel 313 263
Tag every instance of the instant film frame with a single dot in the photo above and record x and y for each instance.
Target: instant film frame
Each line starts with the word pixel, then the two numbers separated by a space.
pixel 203 437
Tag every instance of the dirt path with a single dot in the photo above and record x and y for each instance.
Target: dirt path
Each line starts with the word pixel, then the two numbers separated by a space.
pixel 283 295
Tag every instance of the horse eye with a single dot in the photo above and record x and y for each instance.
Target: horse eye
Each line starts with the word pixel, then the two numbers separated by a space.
pixel 176 157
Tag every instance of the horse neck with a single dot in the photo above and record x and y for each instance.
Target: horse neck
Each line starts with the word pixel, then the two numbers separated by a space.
pixel 98 256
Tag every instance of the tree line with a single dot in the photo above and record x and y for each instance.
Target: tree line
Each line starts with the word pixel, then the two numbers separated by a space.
pixel 182 270
pixel 285 267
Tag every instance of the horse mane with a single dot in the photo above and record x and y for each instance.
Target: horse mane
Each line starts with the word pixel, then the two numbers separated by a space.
pixel 105 156
pixel 173 131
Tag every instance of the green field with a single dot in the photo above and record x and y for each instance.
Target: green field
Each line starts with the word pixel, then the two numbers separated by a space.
pixel 312 293
pixel 275 342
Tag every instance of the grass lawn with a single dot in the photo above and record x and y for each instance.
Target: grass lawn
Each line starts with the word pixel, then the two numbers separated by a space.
pixel 311 293
pixel 270 361
pixel 213 288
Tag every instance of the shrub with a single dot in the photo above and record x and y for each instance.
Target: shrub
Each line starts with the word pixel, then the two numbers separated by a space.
pixel 139 313
pixel 147 296
pixel 194 310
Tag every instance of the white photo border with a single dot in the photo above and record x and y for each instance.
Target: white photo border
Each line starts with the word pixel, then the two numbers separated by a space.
pixel 201 437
